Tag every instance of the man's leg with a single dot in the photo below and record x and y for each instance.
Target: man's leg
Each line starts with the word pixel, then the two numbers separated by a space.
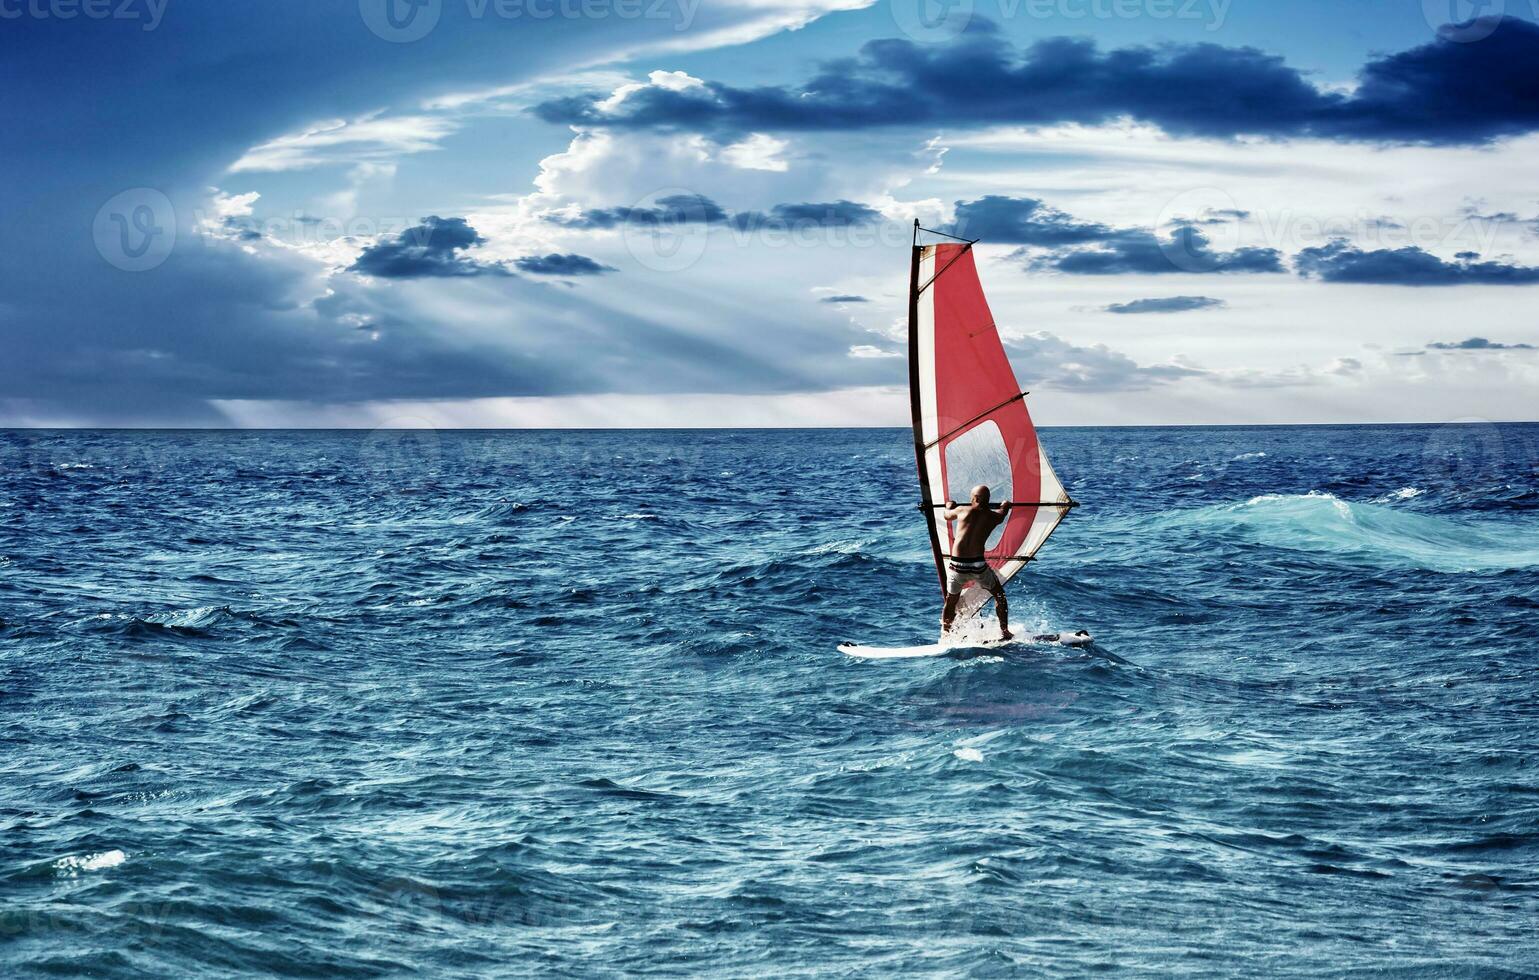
pixel 1002 607
pixel 949 612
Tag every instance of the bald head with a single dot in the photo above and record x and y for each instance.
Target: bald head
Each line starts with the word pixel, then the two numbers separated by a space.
pixel 980 494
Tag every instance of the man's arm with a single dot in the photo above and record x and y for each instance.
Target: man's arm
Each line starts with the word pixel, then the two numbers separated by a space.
pixel 952 511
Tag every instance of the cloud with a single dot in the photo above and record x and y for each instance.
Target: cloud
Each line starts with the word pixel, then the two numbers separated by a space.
pixel 833 214
pixel 1478 343
pixel 866 350
pixel 556 264
pixel 673 209
pixel 1021 221
pixel 429 250
pixel 1134 251
pixel 681 209
pixel 1166 304
pixel 1220 216
pixel 1443 92
pixel 1045 359
pixel 221 320
pixel 375 137
pixel 1092 248
pixel 759 151
pixel 1340 261
pixel 844 298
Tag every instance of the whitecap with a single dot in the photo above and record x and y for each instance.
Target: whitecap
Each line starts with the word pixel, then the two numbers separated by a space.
pixel 75 864
pixel 968 755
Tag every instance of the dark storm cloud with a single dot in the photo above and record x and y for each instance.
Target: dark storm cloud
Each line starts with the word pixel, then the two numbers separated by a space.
pixel 1339 261
pixel 847 298
pixel 431 249
pixel 1166 304
pixel 1443 92
pixel 1478 343
pixel 556 264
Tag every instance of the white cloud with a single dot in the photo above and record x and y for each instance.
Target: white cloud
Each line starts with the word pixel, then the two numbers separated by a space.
pixel 376 137
pixel 668 81
pixel 758 152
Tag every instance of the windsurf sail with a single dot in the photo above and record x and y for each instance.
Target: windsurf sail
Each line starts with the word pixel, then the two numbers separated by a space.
pixel 971 424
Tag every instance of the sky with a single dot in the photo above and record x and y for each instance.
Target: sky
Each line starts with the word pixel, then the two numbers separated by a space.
pixel 402 213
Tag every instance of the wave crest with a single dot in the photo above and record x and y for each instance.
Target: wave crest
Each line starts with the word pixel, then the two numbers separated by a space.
pixel 1324 523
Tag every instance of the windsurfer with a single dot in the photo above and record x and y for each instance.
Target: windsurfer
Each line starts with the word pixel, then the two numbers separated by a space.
pixel 975 522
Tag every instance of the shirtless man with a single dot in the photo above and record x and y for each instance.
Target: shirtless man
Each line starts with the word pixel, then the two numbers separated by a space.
pixel 977 520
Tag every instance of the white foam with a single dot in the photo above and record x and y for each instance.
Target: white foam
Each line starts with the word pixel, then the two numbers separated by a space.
pixel 968 755
pixel 75 864
pixel 1248 456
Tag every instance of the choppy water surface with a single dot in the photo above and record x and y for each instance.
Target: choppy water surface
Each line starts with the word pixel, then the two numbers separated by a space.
pixel 341 704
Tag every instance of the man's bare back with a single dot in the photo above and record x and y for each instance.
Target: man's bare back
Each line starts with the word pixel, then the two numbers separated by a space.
pixel 975 522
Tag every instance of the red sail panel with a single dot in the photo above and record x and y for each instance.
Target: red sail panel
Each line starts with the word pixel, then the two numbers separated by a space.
pixel 971 424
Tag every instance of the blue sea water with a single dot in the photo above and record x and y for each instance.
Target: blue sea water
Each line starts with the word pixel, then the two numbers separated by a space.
pixel 569 703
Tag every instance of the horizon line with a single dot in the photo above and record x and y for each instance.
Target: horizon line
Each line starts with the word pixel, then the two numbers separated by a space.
pixel 735 428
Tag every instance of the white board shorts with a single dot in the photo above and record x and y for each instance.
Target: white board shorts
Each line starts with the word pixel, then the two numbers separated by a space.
pixel 962 574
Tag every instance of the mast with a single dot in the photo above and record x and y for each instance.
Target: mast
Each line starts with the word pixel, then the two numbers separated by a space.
pixel 916 410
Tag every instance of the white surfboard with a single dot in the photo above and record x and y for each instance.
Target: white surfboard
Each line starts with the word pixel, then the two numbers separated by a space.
pixel 956 647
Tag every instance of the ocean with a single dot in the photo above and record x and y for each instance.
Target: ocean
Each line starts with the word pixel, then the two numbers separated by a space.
pixel 351 704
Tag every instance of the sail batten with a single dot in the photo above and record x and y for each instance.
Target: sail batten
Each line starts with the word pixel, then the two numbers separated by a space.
pixel 970 417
